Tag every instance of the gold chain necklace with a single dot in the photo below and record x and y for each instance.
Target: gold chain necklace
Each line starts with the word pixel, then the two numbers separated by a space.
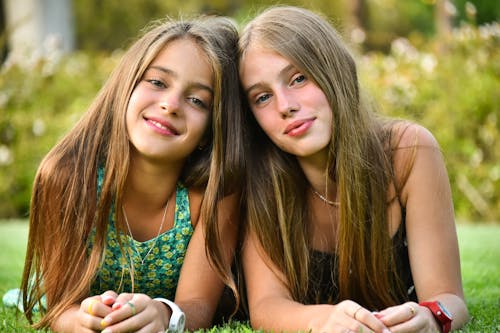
pixel 325 200
pixel 155 239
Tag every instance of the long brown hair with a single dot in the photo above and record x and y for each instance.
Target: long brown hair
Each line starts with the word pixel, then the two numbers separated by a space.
pixel 360 162
pixel 65 207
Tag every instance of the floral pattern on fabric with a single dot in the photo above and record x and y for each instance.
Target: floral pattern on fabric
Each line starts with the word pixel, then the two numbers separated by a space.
pixel 158 274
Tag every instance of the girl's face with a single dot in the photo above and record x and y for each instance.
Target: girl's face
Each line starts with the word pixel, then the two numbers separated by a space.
pixel 291 109
pixel 170 108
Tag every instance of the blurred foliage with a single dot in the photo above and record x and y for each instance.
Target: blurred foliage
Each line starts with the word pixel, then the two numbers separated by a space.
pixel 110 24
pixel 477 11
pixel 451 86
pixel 390 19
pixel 454 90
pixel 40 99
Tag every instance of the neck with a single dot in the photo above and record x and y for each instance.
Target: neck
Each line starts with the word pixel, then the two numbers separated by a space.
pixel 150 184
pixel 315 169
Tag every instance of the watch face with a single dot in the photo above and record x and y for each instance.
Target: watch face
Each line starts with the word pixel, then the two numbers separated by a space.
pixel 447 314
pixel 182 322
pixel 177 323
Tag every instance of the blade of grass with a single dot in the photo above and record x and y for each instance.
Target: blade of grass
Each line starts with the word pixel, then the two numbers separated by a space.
pixel 479 250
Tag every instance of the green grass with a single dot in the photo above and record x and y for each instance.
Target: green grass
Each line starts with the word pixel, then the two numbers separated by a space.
pixel 479 249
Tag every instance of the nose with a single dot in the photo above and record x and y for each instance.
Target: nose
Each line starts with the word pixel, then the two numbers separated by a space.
pixel 286 103
pixel 169 103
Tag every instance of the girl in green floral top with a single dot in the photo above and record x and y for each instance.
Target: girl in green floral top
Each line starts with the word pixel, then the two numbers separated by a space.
pixel 156 262
pixel 144 184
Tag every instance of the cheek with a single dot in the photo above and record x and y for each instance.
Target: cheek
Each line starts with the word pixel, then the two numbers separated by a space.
pixel 317 95
pixel 200 125
pixel 264 120
pixel 321 103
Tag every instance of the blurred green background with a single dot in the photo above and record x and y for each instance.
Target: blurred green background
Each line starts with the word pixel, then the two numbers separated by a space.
pixel 432 61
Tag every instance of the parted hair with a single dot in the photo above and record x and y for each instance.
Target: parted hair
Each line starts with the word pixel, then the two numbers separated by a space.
pixel 359 162
pixel 65 206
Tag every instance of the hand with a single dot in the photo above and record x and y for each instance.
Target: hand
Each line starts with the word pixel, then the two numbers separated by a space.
pixel 408 317
pixel 136 313
pixel 347 316
pixel 90 314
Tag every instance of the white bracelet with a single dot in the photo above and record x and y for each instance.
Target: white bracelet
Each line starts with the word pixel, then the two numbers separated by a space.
pixel 178 318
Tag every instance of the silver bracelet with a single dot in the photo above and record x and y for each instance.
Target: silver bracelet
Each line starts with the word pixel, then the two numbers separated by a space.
pixel 177 319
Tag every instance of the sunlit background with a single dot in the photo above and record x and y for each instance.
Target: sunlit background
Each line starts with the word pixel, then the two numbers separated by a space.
pixel 436 62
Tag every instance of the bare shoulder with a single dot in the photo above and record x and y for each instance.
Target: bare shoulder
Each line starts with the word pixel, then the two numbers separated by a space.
pixel 411 142
pixel 416 155
pixel 227 206
pixel 195 199
pixel 410 134
pixel 415 149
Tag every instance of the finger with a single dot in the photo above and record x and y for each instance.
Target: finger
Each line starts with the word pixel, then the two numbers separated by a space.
pixel 90 314
pixel 129 324
pixel 121 300
pixel 356 327
pixel 369 320
pixel 413 325
pixel 399 314
pixel 405 328
pixel 88 323
pixel 337 327
pixel 126 311
pixel 150 328
pixel 109 297
pixel 92 306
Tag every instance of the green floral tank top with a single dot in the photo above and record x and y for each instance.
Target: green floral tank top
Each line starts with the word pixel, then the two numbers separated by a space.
pixel 156 272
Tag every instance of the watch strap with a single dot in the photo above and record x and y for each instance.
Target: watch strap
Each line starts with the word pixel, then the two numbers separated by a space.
pixel 177 319
pixel 442 316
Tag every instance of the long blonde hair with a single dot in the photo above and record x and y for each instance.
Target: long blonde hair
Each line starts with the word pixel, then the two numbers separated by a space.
pixel 359 162
pixel 65 207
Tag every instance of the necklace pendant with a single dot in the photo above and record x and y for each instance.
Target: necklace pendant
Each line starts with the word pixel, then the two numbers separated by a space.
pixel 324 199
pixel 142 259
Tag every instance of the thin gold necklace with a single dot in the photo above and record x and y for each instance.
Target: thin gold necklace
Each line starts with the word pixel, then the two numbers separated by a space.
pixel 155 239
pixel 325 200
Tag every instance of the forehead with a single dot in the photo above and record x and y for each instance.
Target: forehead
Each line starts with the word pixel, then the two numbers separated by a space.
pixel 260 62
pixel 185 57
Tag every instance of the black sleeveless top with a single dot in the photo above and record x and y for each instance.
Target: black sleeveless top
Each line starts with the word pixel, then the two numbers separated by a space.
pixel 322 288
pixel 323 276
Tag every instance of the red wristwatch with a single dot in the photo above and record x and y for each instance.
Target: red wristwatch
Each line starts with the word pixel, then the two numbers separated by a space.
pixel 440 313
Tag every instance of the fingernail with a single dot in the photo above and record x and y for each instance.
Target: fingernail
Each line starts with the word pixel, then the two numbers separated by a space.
pixel 116 306
pixel 105 321
pixel 106 299
pixel 107 330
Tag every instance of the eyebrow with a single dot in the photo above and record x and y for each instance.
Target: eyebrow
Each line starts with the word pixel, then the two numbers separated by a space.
pixel 282 73
pixel 194 84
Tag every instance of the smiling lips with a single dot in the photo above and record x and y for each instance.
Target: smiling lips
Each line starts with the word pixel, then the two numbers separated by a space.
pixel 161 126
pixel 299 127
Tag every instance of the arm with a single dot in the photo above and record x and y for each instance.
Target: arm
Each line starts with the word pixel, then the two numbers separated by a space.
pixel 273 309
pixel 199 288
pixel 431 233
